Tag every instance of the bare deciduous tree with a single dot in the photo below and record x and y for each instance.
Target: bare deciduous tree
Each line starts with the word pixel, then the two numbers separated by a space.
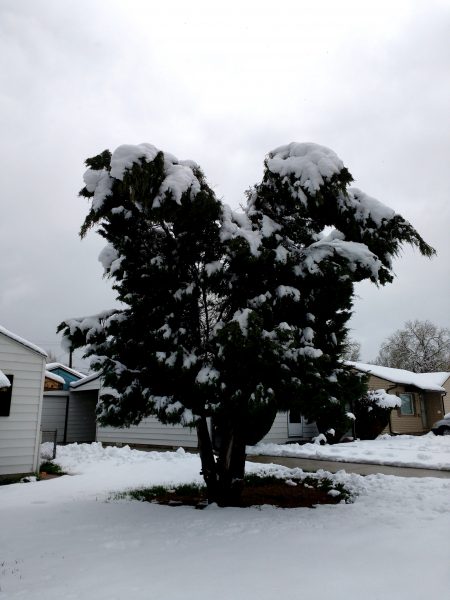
pixel 351 350
pixel 420 346
pixel 52 357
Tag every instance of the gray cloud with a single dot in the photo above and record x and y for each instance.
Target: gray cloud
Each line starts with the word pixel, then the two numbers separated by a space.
pixel 222 85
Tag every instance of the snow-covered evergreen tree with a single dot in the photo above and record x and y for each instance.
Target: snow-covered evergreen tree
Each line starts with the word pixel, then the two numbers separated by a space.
pixel 230 315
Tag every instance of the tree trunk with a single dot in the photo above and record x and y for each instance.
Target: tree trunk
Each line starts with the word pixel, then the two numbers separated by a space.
pixel 209 467
pixel 231 467
pixel 224 473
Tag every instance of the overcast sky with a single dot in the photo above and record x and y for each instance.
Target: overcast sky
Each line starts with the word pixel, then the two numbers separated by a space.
pixel 222 84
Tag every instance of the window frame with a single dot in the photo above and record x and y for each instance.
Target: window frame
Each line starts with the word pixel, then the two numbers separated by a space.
pixel 6 397
pixel 407 396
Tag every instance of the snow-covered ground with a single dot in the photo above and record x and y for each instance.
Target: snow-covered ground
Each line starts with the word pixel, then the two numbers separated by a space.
pixel 66 538
pixel 426 451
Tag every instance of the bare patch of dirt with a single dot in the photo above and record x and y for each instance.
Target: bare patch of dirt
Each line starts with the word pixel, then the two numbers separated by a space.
pixel 44 475
pixel 275 492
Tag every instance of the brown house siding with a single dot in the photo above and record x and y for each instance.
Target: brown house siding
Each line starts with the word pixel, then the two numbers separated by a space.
pixel 50 385
pixel 400 423
pixel 429 406
pixel 446 386
pixel 376 383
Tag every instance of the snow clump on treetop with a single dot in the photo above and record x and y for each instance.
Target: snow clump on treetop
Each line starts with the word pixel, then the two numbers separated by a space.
pixel 311 164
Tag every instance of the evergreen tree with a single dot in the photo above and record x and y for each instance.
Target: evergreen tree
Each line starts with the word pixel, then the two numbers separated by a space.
pixel 230 316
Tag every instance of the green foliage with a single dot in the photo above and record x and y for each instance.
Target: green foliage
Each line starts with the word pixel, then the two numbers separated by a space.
pixel 50 467
pixel 372 411
pixel 370 419
pixel 225 315
pixel 193 493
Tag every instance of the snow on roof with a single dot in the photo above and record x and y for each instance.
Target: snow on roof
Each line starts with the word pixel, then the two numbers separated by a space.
pixel 22 341
pixel 81 382
pixel 423 381
pixel 57 365
pixel 54 377
pixel 438 378
pixel 4 381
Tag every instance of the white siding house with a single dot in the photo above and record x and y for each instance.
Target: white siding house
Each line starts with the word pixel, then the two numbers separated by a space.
pixel 67 415
pixel 150 432
pixel 23 364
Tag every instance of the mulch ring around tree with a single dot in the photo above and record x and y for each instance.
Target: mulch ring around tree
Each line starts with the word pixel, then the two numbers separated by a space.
pixel 283 493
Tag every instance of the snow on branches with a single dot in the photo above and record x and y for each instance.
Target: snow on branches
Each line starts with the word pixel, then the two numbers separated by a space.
pixel 226 313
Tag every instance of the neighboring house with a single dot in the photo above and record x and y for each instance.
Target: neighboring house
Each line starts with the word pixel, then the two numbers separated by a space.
pixel 423 395
pixel 150 432
pixel 68 374
pixel 423 398
pixel 53 382
pixel 22 364
pixel 81 414
pixel 67 416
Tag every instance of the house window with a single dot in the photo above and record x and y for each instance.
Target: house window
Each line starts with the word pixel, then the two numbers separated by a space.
pixel 295 416
pixel 407 407
pixel 5 398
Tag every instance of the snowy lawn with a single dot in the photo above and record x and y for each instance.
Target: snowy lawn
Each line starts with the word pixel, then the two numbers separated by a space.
pixel 65 538
pixel 426 451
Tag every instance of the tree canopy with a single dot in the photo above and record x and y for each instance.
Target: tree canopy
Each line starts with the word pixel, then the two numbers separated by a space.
pixel 230 315
pixel 420 346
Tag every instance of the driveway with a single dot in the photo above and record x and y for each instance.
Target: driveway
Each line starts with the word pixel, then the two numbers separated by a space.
pixel 313 464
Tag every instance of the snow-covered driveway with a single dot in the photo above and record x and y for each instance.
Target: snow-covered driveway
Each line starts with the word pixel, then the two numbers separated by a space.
pixel 63 538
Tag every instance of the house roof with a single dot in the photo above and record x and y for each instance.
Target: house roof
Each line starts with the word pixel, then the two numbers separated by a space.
pixel 22 341
pixel 4 381
pixel 56 365
pixel 424 381
pixel 85 380
pixel 54 377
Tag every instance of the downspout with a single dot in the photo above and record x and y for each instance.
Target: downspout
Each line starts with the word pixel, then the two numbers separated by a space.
pixel 390 414
pixel 38 437
pixel 66 420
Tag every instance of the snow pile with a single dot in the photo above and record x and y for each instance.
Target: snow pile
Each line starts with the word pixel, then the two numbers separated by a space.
pixel 78 458
pixel 427 451
pixel 47 451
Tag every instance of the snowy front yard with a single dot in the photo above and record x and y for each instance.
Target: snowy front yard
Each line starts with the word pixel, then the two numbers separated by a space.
pixel 66 538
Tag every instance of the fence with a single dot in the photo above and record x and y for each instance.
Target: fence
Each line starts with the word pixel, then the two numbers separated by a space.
pixel 49 436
